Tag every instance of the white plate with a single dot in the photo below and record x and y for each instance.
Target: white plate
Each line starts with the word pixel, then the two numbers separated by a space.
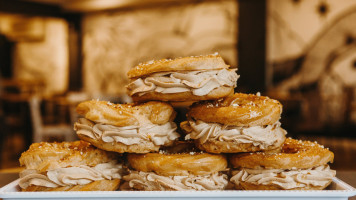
pixel 337 190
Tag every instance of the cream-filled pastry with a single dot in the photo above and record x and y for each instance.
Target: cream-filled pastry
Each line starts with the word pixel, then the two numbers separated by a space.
pixel 134 128
pixel 238 123
pixel 69 166
pixel 181 169
pixel 183 79
pixel 301 165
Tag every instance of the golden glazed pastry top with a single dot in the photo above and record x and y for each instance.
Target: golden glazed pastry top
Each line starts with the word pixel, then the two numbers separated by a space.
pixel 193 63
pixel 126 114
pixel 178 164
pixel 239 110
pixel 45 156
pixel 295 154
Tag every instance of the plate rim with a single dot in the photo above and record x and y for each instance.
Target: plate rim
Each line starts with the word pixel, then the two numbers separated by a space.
pixel 348 191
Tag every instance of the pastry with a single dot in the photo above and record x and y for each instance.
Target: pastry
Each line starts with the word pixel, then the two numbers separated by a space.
pixel 182 79
pixel 176 171
pixel 134 128
pixel 301 165
pixel 238 123
pixel 69 166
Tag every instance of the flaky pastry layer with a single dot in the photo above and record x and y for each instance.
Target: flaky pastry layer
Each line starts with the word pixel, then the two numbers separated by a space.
pixel 205 62
pixel 126 114
pixel 216 93
pixel 239 110
pixel 294 154
pixel 45 156
pixel 101 185
pixel 179 164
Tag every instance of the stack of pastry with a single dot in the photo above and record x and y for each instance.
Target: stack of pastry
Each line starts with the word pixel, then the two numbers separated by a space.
pixel 226 129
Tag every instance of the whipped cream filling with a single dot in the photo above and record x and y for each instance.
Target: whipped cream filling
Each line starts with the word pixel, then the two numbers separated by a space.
pixel 71 175
pixel 128 135
pixel 199 83
pixel 261 136
pixel 150 181
pixel 287 179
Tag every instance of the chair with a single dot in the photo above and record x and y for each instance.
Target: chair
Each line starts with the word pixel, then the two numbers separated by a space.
pixel 41 131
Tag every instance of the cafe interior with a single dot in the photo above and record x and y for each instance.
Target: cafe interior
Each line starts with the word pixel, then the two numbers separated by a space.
pixel 57 53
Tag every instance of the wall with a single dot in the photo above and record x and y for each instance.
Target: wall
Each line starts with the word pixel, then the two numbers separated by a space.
pixel 45 59
pixel 311 54
pixel 39 50
pixel 115 41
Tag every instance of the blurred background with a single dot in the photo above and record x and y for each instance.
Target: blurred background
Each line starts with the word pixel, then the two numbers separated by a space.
pixel 56 53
